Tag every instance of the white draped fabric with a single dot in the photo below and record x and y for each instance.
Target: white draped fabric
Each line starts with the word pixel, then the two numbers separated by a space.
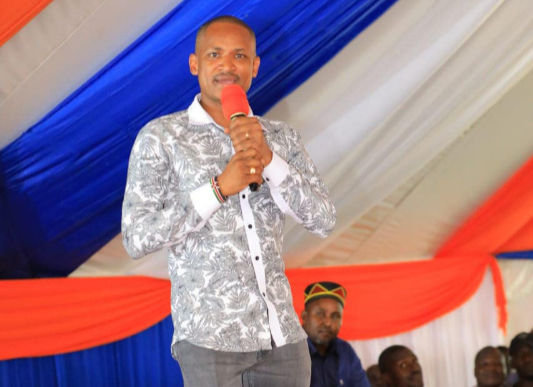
pixel 518 282
pixel 402 92
pixel 446 347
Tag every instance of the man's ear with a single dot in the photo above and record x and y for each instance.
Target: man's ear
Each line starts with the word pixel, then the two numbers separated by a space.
pixel 257 62
pixel 304 315
pixel 193 64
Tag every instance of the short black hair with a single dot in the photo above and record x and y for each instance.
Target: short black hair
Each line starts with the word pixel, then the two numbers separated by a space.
pixel 483 351
pixel 223 19
pixel 385 359
pixel 520 340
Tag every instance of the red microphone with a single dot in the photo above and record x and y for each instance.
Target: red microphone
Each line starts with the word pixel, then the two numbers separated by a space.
pixel 235 104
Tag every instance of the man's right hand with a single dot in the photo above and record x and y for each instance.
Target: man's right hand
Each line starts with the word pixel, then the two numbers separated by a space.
pixel 238 173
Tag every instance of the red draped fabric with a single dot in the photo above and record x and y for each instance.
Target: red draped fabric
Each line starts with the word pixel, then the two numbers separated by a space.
pixel 16 14
pixel 503 223
pixel 57 315
pixel 61 315
pixel 388 299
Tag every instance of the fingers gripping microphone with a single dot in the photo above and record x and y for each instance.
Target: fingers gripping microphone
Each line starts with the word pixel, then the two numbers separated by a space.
pixel 235 104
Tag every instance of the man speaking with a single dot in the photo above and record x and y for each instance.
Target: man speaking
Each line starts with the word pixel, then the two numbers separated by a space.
pixel 188 189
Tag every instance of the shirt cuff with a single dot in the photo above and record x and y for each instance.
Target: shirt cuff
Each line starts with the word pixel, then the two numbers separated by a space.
pixel 204 201
pixel 276 171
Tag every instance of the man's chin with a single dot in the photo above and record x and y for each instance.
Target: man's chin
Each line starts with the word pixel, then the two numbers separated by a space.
pixel 416 381
pixel 492 381
pixel 322 340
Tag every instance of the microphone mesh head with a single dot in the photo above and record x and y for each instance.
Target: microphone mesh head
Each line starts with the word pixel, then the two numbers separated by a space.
pixel 234 101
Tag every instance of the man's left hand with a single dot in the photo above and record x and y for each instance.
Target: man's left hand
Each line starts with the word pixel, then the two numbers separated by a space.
pixel 246 133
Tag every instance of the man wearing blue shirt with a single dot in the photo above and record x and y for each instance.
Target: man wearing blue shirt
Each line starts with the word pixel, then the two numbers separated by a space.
pixel 334 362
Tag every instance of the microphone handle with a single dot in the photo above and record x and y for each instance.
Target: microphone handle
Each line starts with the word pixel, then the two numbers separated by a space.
pixel 253 186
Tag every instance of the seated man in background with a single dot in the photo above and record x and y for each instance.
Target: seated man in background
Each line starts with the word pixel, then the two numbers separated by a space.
pixel 488 368
pixel 521 351
pixel 374 376
pixel 333 360
pixel 400 368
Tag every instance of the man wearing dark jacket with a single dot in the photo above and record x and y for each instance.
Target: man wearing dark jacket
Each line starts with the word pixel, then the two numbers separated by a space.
pixel 334 362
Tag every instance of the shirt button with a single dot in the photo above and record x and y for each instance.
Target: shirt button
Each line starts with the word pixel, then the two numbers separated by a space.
pixel 249 226
pixel 264 295
pixel 257 258
pixel 243 196
pixel 267 179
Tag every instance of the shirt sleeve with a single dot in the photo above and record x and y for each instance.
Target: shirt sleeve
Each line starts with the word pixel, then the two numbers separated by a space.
pixel 296 186
pixel 155 214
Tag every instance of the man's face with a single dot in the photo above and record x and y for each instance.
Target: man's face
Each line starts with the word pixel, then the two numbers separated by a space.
pixel 405 371
pixel 489 369
pixel 322 320
pixel 522 361
pixel 225 54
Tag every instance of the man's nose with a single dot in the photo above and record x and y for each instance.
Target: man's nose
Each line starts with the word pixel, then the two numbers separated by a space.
pixel 326 321
pixel 227 63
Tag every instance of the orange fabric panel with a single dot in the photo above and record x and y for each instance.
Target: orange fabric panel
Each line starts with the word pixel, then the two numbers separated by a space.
pixel 51 316
pixel 16 14
pixel 388 299
pixel 503 221
pixel 521 241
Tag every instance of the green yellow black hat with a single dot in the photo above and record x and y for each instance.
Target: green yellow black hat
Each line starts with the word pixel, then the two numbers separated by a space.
pixel 324 290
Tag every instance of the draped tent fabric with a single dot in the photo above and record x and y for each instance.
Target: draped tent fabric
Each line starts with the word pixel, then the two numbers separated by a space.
pixel 396 298
pixel 390 299
pixel 137 361
pixel 16 14
pixel 50 316
pixel 401 105
pixel 446 347
pixel 148 363
pixel 96 126
pixel 503 223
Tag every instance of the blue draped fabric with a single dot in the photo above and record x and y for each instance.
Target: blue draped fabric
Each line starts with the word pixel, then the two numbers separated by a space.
pixel 516 255
pixel 62 181
pixel 141 360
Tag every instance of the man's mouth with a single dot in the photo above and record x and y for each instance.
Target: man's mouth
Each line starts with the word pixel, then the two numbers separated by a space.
pixel 226 79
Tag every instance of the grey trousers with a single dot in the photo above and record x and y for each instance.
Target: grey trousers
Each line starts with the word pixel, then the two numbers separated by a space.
pixel 289 365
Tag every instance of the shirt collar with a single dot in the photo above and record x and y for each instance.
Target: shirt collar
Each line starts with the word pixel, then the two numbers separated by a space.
pixel 198 115
pixel 332 347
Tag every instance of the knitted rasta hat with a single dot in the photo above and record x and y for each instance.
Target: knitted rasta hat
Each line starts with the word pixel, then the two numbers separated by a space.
pixel 324 290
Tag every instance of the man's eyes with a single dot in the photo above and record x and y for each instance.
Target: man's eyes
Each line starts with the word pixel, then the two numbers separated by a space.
pixel 217 55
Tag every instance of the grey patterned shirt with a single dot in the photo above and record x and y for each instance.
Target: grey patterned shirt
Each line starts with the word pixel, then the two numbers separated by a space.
pixel 229 289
